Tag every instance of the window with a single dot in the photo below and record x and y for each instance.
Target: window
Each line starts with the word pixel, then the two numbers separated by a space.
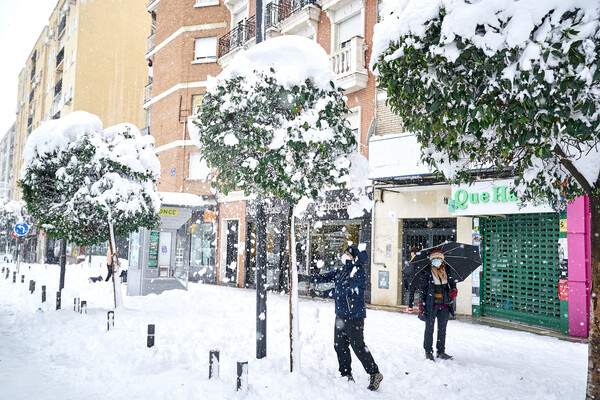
pixel 349 28
pixel 354 120
pixel 196 102
pixel 198 168
pixel 205 49
pixel 73 56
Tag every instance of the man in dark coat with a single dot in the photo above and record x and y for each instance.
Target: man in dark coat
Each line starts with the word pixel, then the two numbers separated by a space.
pixel 436 301
pixel 350 283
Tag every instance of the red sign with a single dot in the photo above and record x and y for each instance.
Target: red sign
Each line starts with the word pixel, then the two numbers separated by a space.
pixel 563 289
pixel 15 235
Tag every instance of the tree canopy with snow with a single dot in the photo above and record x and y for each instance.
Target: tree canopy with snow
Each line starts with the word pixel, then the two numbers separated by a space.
pixel 273 123
pixel 77 177
pixel 502 85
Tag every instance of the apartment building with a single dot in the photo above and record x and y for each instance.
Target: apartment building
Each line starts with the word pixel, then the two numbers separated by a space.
pixel 7 157
pixel 89 57
pixel 192 39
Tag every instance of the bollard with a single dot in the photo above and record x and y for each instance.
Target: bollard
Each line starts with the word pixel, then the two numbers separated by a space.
pixel 22 278
pixel 150 342
pixel 14 277
pixel 213 364
pixel 43 293
pixel 7 273
pixel 111 320
pixel 242 376
pixel 58 300
pixel 83 308
pixel 3 269
pixel 76 304
pixel 31 286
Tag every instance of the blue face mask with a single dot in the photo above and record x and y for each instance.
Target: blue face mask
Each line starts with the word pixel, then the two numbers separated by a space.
pixel 436 262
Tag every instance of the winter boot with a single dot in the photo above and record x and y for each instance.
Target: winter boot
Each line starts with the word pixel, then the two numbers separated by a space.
pixel 444 356
pixel 408 309
pixel 349 376
pixel 374 381
pixel 429 356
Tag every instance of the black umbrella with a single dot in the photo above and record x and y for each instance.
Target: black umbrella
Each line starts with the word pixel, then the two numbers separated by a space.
pixel 462 259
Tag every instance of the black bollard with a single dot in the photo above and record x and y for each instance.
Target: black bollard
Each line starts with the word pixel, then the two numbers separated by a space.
pixel 150 342
pixel 31 286
pixel 58 300
pixel 242 376
pixel 83 308
pixel 3 269
pixel 7 273
pixel 14 277
pixel 22 278
pixel 213 364
pixel 111 320
pixel 43 293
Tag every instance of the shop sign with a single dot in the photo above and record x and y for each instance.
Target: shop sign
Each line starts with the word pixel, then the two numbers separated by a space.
pixel 335 205
pixel 563 224
pixel 488 198
pixel 153 256
pixel 169 211
pixel 210 216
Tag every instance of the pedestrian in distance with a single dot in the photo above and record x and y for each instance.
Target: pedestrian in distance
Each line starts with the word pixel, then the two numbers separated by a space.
pixel 350 282
pixel 411 290
pixel 109 264
pixel 437 291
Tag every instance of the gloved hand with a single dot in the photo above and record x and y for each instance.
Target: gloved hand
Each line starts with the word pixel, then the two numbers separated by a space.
pixel 421 313
pixel 453 293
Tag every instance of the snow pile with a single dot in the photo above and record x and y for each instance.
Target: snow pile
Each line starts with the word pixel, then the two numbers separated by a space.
pixel 292 58
pixel 49 354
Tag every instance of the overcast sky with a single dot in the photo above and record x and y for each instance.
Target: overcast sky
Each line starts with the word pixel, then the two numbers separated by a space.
pixel 21 23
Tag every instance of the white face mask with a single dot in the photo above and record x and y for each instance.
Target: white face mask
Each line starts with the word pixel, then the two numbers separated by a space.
pixel 436 262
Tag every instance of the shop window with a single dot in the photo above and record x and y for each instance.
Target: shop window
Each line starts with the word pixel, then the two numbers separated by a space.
pixel 205 49
pixel 200 246
pixel 230 259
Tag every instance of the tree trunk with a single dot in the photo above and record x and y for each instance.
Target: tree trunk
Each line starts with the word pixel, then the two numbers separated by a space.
pixel 294 325
pixel 593 378
pixel 62 260
pixel 115 265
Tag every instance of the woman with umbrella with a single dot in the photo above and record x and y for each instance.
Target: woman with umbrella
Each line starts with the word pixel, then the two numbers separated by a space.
pixel 436 301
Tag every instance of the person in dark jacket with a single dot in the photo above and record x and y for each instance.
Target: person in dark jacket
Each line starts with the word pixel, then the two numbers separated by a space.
pixel 350 283
pixel 436 301
pixel 411 290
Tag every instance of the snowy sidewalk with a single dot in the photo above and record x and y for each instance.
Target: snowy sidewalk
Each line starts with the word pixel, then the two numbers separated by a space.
pixel 65 355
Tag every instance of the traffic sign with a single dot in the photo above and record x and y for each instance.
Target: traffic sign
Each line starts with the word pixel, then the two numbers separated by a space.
pixel 21 229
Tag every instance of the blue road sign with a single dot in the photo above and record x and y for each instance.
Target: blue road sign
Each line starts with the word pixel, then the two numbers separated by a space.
pixel 21 229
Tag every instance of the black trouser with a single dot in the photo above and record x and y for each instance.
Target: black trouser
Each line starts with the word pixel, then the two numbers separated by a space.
pixel 442 320
pixel 349 332
pixel 411 297
pixel 110 272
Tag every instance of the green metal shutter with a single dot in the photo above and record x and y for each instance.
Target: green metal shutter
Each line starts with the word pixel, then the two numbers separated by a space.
pixel 520 268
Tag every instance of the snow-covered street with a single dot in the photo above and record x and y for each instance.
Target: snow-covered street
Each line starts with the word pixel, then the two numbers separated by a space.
pixel 65 355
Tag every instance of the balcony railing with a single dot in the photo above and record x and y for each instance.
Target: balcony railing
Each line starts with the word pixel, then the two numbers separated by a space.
pixel 237 37
pixel 58 88
pixel 147 93
pixel 276 13
pixel 59 57
pixel 150 43
pixel 348 64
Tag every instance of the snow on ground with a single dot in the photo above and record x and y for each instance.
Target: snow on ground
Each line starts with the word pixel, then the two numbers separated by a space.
pixel 65 355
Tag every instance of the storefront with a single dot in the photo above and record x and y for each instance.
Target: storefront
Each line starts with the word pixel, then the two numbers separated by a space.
pixel 324 232
pixel 526 258
pixel 180 250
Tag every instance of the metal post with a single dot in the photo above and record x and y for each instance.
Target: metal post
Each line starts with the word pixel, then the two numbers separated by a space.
pixel 58 300
pixel 261 273
pixel 76 304
pixel 31 286
pixel 242 376
pixel 43 293
pixel 14 276
pixel 213 364
pixel 110 316
pixel 83 308
pixel 22 278
pixel 150 342
pixel 7 273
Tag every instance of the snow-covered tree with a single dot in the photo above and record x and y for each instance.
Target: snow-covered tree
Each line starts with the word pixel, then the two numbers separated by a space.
pixel 86 185
pixel 273 124
pixel 506 85
pixel 11 213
